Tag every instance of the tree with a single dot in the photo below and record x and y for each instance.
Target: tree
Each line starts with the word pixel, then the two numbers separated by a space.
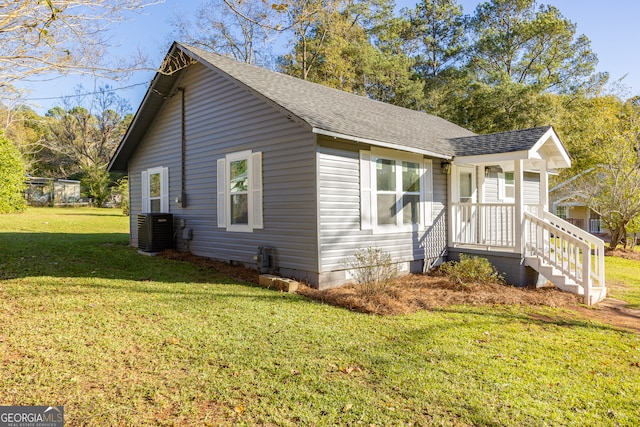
pixel 310 23
pixel 95 180
pixel 485 108
pixel 353 47
pixel 240 29
pixel 121 191
pixel 613 188
pixel 521 57
pixel 515 41
pixel 26 129
pixel 12 176
pixel 58 36
pixel 82 139
pixel 585 125
pixel 436 36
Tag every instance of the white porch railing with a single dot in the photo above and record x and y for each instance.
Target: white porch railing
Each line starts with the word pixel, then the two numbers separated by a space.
pixel 556 242
pixel 577 254
pixel 484 224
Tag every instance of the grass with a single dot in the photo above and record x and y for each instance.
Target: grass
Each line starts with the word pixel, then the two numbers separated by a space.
pixel 123 339
pixel 626 272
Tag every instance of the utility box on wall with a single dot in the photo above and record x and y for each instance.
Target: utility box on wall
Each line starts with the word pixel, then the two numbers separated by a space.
pixel 155 232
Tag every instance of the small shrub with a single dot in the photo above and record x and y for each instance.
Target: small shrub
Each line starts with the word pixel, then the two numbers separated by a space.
pixel 372 269
pixel 121 191
pixel 471 269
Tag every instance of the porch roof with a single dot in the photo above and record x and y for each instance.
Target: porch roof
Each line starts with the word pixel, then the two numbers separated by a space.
pixel 540 143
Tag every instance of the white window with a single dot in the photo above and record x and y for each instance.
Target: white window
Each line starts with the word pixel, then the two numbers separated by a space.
pixel 507 186
pixel 239 194
pixel 465 187
pixel 155 190
pixel 561 212
pixel 396 191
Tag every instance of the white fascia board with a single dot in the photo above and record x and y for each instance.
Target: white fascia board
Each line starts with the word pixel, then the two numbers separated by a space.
pixel 374 142
pixel 565 160
pixel 490 159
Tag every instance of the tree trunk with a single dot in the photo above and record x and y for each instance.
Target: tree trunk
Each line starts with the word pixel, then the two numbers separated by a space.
pixel 616 236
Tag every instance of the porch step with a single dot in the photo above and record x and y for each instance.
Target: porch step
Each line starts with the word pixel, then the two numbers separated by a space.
pixel 598 293
pixel 555 276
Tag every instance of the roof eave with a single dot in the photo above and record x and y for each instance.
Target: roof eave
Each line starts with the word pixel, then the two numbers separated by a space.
pixel 145 115
pixel 320 131
pixel 488 159
pixel 158 91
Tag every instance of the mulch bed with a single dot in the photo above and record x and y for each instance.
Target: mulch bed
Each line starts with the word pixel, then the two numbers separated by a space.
pixel 415 292
pixel 423 292
pixel 406 294
pixel 623 253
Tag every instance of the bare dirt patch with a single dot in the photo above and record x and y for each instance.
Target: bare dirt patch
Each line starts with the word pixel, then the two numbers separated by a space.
pixel 415 292
pixel 613 312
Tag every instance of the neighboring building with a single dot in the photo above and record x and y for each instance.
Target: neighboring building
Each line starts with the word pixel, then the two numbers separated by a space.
pixel 51 192
pixel 252 163
pixel 580 215
pixel 567 205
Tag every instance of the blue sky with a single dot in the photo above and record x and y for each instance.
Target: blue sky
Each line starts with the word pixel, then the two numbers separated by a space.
pixel 611 26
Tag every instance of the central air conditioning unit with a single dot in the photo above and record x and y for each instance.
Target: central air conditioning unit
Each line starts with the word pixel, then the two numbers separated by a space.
pixel 155 232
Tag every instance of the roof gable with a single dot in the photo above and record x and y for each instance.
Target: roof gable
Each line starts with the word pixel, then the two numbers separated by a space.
pixel 526 144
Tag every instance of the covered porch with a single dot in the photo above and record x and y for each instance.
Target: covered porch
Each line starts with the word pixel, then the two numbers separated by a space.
pixel 499 208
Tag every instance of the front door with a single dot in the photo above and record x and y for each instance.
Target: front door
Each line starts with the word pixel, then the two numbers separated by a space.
pixel 464 197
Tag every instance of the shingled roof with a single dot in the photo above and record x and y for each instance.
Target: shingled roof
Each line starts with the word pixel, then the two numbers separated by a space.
pixel 503 142
pixel 329 111
pixel 335 111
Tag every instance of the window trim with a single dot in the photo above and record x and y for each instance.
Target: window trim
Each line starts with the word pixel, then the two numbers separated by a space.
pixel 164 189
pixel 502 177
pixel 369 192
pixel 564 209
pixel 254 191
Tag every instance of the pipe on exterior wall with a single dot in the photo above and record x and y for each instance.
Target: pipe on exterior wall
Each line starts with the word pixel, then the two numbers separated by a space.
pixel 183 151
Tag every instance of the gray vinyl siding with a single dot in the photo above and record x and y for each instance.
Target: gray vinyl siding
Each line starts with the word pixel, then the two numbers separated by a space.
pixel 339 207
pixel 222 118
pixel 160 147
pixel 491 188
pixel 500 226
pixel 531 188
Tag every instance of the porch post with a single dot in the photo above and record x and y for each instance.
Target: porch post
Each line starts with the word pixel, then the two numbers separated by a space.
pixel 544 188
pixel 450 190
pixel 519 208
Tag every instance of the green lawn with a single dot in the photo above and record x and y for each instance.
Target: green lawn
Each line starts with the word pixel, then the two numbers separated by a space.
pixel 124 339
pixel 623 279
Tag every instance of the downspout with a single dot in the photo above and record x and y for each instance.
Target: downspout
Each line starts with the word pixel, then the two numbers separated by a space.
pixel 183 150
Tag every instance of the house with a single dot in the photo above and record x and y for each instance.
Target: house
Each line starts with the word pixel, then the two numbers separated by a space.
pixel 567 204
pixel 257 165
pixel 579 214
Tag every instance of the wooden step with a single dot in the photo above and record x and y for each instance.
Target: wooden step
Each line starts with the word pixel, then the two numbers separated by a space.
pixel 597 294
pixel 555 276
